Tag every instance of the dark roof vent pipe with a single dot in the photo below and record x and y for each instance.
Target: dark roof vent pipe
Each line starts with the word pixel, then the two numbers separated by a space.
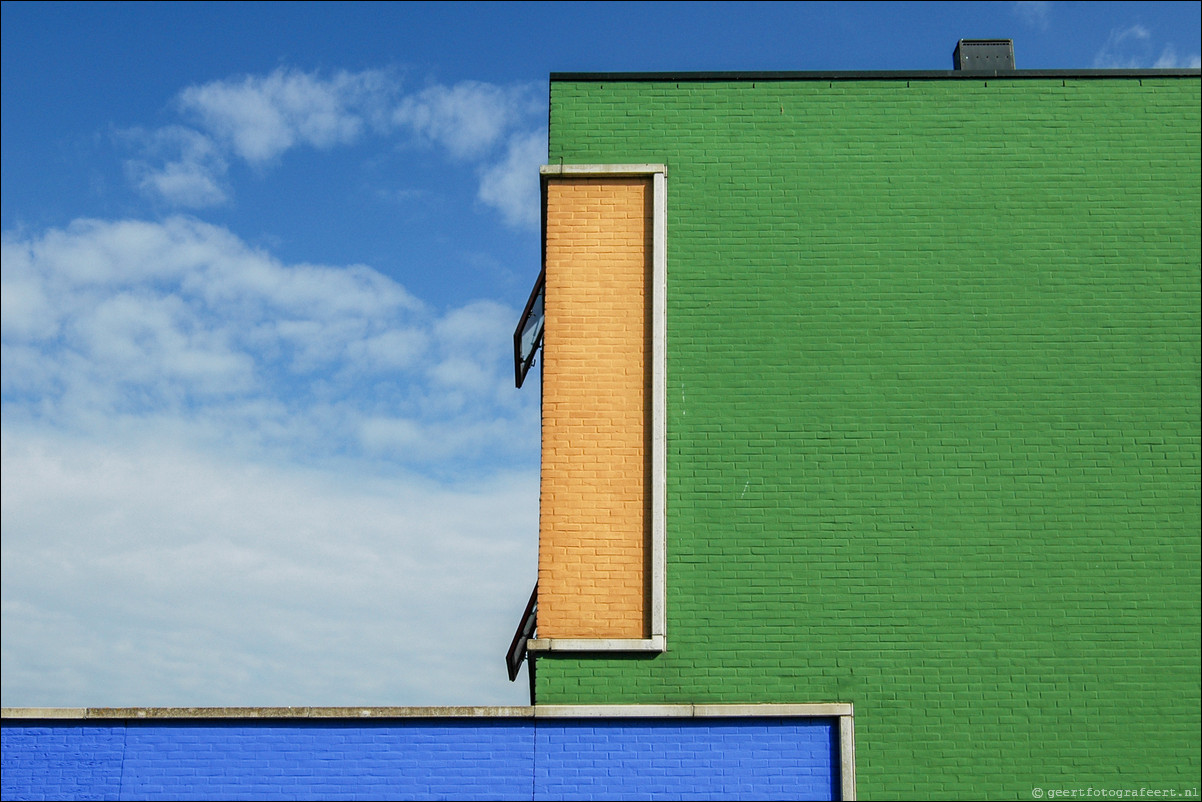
pixel 994 55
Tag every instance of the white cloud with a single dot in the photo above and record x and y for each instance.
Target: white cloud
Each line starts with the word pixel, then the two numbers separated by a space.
pixel 141 572
pixel 464 369
pixel 1126 49
pixel 1169 59
pixel 1033 13
pixel 182 318
pixel 157 346
pixel 1134 47
pixel 475 325
pixel 467 119
pixel 260 117
pixel 393 437
pixel 121 315
pixel 391 350
pixel 180 166
pixel 511 186
pixel 25 309
pixel 470 121
pixel 210 478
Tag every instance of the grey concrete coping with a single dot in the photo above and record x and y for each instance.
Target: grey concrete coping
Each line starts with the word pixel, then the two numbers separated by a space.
pixel 262 712
pixel 825 710
pixel 653 644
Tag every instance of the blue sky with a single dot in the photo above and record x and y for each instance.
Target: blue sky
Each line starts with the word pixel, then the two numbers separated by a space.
pixel 261 269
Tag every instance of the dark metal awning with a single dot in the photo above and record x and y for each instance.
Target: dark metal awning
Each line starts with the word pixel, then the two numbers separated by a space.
pixel 525 631
pixel 528 336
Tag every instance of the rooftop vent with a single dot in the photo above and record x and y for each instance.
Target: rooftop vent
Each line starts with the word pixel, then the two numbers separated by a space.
pixel 984 54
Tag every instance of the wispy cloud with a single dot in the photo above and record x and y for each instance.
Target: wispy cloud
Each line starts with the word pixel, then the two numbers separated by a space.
pixel 1135 47
pixel 257 119
pixel 130 318
pixel 180 166
pixel 264 450
pixel 1033 13
pixel 1169 59
pixel 177 576
pixel 511 185
pixel 489 125
pixel 470 118
pixel 1125 48
pixel 267 450
pixel 260 117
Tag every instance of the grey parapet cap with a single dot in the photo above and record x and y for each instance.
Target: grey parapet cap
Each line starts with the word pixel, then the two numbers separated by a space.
pixel 862 75
pixel 814 710
pixel 95 713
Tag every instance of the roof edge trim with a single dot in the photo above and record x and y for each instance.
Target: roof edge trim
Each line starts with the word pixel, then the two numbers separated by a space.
pixel 857 75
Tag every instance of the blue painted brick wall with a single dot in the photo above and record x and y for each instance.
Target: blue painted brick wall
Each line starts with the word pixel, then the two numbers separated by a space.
pixel 671 759
pixel 422 759
pixel 395 759
pixel 52 760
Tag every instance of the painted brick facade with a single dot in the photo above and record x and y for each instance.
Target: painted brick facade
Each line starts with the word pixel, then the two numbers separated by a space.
pixel 459 759
pixel 933 416
pixel 594 506
pixel 667 759
pixel 451 759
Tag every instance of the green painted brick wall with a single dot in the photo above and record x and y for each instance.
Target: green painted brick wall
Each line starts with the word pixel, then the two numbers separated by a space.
pixel 933 418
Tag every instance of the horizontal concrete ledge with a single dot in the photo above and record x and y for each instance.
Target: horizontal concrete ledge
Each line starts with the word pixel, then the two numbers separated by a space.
pixel 822 710
pixel 262 712
pixel 606 170
pixel 656 643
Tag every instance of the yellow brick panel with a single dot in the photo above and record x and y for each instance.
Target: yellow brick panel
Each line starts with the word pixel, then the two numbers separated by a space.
pixel 595 507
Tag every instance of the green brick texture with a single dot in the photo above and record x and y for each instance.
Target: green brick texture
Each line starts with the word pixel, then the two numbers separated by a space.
pixel 933 418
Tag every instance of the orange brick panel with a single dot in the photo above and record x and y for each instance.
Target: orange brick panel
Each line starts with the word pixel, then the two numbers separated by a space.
pixel 595 506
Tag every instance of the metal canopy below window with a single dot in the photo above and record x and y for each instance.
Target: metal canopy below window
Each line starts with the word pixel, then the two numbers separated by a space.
pixel 525 631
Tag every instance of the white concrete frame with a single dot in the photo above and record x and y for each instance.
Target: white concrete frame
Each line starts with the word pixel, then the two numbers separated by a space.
pixel 657 642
